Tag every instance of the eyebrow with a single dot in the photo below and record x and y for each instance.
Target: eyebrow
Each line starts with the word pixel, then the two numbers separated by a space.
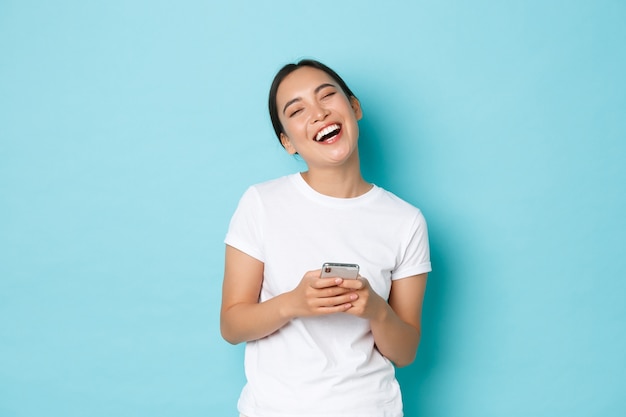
pixel 317 90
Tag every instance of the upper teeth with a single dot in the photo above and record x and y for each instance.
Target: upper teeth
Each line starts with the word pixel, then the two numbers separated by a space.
pixel 326 131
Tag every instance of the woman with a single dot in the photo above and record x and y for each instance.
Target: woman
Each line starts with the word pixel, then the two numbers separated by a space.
pixel 322 347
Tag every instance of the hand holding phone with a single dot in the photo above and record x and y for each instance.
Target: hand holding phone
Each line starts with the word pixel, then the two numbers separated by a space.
pixel 341 270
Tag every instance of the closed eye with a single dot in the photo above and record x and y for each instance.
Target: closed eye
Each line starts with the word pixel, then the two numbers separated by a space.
pixel 295 112
pixel 327 91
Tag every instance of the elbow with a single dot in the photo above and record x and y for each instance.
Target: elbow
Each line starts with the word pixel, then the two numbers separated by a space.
pixel 228 334
pixel 406 357
pixel 404 362
pixel 230 338
pixel 227 337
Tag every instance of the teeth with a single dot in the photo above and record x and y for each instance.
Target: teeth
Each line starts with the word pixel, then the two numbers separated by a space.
pixel 327 130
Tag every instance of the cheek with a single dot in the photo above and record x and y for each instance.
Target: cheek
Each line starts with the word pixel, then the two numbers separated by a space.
pixel 284 123
pixel 294 128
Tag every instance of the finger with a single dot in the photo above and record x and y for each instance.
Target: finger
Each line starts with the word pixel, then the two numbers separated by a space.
pixel 339 300
pixel 335 309
pixel 353 284
pixel 326 282
pixel 333 291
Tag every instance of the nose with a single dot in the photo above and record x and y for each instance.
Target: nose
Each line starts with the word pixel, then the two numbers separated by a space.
pixel 319 113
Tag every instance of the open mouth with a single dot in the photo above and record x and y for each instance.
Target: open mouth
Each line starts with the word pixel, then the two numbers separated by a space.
pixel 328 133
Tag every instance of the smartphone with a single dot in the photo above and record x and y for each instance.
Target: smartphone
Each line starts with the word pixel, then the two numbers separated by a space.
pixel 347 271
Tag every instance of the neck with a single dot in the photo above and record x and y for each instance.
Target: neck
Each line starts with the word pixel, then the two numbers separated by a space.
pixel 337 182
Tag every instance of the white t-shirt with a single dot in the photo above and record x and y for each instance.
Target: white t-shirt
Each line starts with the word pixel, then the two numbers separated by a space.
pixel 324 366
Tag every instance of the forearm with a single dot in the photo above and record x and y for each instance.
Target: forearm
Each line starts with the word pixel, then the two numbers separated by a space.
pixel 244 322
pixel 394 338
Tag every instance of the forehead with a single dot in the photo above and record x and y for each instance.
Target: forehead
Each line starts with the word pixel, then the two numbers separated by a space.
pixel 300 82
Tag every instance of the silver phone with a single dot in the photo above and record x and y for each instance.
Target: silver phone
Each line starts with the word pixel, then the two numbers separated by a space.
pixel 333 269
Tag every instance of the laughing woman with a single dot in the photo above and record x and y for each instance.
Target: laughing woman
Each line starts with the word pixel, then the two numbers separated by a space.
pixel 322 347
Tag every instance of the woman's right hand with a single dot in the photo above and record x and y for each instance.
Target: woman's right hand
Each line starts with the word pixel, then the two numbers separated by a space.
pixel 315 296
pixel 243 318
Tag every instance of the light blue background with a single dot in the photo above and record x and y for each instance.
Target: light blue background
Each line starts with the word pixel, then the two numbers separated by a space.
pixel 129 130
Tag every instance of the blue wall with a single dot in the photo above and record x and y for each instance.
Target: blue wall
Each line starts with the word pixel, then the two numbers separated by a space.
pixel 129 129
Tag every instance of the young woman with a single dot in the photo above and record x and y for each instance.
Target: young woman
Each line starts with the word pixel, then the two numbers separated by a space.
pixel 322 347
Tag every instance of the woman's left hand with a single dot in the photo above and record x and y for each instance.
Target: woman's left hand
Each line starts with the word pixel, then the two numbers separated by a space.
pixel 368 304
pixel 395 323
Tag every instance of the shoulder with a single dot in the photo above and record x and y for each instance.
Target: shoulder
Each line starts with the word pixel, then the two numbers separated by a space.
pixel 397 205
pixel 273 185
pixel 259 199
pixel 268 191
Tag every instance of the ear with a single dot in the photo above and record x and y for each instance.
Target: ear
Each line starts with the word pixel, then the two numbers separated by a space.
pixel 284 140
pixel 356 106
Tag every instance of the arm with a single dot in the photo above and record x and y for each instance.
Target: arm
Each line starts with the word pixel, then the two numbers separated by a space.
pixel 396 325
pixel 239 319
pixel 243 318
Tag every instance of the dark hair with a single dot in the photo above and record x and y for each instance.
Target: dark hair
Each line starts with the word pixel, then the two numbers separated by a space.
pixel 284 72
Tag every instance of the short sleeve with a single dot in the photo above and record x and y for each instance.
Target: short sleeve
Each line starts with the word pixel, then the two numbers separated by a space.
pixel 415 256
pixel 245 231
